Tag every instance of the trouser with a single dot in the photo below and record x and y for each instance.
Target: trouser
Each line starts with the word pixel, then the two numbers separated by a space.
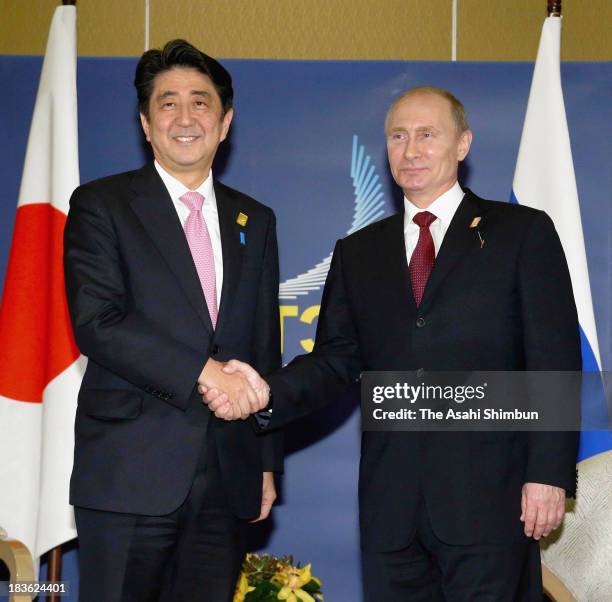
pixel 193 553
pixel 430 570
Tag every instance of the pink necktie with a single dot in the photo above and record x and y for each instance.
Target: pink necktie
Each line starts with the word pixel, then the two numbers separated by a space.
pixel 423 256
pixel 200 245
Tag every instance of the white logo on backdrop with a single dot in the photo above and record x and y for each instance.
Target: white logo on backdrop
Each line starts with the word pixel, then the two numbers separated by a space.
pixel 369 206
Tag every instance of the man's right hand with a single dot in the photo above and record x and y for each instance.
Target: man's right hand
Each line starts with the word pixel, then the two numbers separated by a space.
pixel 224 405
pixel 240 400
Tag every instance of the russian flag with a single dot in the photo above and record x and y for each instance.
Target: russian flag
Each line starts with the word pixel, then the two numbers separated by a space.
pixel 544 179
pixel 41 369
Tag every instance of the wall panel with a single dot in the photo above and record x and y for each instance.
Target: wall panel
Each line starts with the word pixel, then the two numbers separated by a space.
pixel 104 27
pixel 110 27
pixel 488 30
pixel 312 29
pixel 24 25
pixel 510 31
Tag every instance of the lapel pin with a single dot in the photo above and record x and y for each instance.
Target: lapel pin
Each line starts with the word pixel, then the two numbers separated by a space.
pixel 242 238
pixel 474 224
pixel 242 220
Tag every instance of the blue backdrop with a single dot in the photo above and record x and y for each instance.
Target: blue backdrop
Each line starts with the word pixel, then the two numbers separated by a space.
pixel 291 146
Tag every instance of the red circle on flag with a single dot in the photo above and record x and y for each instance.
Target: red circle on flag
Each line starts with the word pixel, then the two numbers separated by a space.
pixel 35 334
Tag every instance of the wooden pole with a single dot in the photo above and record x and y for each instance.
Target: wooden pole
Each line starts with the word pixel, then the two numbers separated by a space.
pixel 554 8
pixel 54 570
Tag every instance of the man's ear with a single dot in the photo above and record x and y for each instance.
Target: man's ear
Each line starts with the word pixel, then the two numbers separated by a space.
pixel 226 122
pixel 465 141
pixel 145 126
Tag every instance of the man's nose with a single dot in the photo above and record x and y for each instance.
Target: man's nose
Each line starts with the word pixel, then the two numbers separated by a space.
pixel 411 149
pixel 185 117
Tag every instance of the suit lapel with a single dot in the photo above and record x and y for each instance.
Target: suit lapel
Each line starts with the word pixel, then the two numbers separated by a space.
pixel 458 240
pixel 394 265
pixel 233 249
pixel 155 210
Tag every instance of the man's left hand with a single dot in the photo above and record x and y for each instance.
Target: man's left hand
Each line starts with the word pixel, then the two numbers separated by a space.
pixel 268 496
pixel 542 509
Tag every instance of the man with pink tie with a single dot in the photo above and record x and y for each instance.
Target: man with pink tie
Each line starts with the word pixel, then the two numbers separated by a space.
pixel 168 274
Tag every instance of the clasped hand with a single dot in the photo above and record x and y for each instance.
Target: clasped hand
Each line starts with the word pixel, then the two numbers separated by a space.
pixel 233 390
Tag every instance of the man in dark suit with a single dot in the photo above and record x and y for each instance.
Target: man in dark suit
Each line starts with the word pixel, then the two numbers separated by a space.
pixel 455 283
pixel 168 274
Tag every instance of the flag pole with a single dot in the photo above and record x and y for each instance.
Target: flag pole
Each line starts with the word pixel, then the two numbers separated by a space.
pixel 54 570
pixel 54 557
pixel 554 8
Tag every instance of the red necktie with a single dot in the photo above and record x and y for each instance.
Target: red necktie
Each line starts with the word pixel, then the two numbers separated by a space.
pixel 423 256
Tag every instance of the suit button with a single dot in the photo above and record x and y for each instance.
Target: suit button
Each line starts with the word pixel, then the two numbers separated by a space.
pixel 420 372
pixel 420 322
pixel 215 350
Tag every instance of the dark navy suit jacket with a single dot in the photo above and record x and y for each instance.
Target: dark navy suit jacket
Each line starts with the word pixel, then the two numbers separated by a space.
pixel 139 315
pixel 504 305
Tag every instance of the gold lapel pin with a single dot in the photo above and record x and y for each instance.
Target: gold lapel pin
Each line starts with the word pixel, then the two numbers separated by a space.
pixel 474 224
pixel 242 219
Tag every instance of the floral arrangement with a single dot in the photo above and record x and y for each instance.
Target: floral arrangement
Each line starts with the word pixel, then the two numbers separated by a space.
pixel 267 578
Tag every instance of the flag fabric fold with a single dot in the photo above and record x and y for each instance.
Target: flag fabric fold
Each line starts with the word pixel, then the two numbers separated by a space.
pixel 544 178
pixel 41 368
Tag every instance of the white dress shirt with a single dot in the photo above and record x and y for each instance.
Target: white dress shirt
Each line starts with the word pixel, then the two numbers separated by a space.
pixel 443 208
pixel 209 212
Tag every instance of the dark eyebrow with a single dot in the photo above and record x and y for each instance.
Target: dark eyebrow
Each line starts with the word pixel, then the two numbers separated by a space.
pixel 170 93
pixel 201 93
pixel 167 94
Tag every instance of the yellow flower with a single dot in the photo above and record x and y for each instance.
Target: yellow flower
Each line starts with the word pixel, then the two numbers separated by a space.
pixel 242 588
pixel 291 580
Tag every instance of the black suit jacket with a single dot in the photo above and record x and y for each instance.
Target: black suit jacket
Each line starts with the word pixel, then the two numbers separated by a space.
pixel 507 305
pixel 139 315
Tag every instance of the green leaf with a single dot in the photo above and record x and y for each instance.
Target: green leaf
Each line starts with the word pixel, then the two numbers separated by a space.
pixel 263 592
pixel 312 587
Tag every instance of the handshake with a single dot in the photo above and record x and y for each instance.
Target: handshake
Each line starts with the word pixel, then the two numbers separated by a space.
pixel 232 390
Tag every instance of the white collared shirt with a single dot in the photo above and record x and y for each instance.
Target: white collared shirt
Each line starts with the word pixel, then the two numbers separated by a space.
pixel 444 208
pixel 209 212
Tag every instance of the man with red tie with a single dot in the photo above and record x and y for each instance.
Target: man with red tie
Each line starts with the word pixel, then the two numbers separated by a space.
pixel 454 283
pixel 168 274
